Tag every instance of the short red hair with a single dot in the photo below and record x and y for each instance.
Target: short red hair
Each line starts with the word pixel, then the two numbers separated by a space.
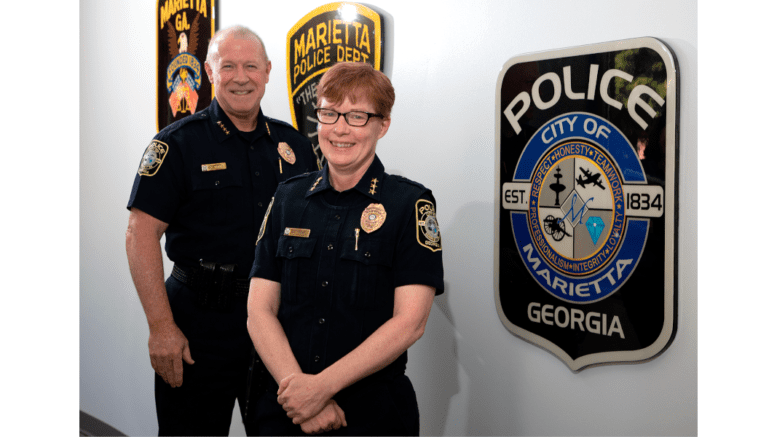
pixel 357 80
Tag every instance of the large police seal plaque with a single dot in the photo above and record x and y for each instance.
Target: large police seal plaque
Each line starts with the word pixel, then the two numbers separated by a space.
pixel 586 201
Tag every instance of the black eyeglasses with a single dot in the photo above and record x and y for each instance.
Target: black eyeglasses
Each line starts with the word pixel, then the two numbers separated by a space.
pixel 353 118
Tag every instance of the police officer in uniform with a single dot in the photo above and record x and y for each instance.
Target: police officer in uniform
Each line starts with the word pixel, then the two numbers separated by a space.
pixel 205 182
pixel 347 264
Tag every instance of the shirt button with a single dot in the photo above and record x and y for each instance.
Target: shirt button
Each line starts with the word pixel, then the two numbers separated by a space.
pixel 316 358
pixel 337 217
pixel 252 147
pixel 325 283
pixel 261 204
pixel 321 321
pixel 217 182
pixel 256 173
pixel 291 249
pixel 330 247
pixel 367 254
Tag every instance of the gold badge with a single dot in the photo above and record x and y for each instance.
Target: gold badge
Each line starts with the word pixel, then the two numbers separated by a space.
pixel 373 217
pixel 427 230
pixel 213 167
pixel 153 158
pixel 286 153
pixel 297 232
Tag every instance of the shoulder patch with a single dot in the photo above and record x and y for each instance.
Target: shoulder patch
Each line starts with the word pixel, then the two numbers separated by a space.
pixel 153 158
pixel 264 222
pixel 427 229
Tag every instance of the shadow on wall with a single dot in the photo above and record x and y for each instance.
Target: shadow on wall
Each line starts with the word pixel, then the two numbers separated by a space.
pixel 492 384
pixel 435 377
pixel 90 425
pixel 464 345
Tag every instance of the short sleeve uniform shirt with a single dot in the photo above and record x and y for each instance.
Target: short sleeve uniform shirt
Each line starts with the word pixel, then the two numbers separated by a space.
pixel 212 183
pixel 340 255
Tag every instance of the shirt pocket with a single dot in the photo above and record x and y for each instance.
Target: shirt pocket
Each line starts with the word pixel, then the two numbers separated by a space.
pixel 297 275
pixel 214 180
pixel 216 195
pixel 369 282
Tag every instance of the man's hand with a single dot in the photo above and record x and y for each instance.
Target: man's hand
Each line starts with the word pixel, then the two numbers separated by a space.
pixel 332 417
pixel 167 345
pixel 302 396
pixel 168 348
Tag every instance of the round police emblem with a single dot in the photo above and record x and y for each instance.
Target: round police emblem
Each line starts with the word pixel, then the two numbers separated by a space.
pixel 150 158
pixel 576 208
pixel 576 232
pixel 430 230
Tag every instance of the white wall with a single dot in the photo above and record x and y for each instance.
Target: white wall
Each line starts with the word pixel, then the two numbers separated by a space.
pixel 472 376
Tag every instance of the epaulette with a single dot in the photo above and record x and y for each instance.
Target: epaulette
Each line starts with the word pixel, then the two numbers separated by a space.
pixel 174 126
pixel 294 178
pixel 276 121
pixel 411 182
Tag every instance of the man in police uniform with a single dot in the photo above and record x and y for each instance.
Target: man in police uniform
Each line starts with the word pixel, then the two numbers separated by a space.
pixel 348 262
pixel 205 183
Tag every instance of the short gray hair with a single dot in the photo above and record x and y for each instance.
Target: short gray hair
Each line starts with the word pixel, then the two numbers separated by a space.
pixel 236 31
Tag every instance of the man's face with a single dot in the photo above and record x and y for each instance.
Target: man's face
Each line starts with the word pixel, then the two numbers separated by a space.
pixel 239 74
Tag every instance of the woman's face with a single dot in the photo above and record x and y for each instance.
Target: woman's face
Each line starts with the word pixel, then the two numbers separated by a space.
pixel 350 149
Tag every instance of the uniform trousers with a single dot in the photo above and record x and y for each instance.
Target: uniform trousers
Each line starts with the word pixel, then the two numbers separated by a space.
pixel 221 349
pixel 382 407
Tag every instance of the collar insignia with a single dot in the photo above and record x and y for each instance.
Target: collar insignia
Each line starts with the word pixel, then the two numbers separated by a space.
pixel 316 184
pixel 224 128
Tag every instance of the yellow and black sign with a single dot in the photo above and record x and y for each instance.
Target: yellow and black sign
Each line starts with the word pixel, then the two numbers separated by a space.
pixel 184 29
pixel 332 33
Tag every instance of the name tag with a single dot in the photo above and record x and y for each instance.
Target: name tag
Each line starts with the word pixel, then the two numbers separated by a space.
pixel 213 167
pixel 296 232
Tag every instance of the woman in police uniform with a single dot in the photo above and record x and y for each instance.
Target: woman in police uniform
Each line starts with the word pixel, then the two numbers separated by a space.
pixel 347 264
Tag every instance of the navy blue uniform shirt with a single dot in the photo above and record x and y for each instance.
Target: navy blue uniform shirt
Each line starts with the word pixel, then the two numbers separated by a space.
pixel 337 279
pixel 212 183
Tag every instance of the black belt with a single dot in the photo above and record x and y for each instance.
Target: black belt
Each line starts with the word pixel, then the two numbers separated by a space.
pixel 193 277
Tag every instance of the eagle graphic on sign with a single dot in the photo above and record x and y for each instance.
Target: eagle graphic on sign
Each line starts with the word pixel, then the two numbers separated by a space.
pixel 184 74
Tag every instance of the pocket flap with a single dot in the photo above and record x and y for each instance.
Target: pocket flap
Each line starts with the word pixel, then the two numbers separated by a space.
pixel 370 251
pixel 295 247
pixel 214 180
